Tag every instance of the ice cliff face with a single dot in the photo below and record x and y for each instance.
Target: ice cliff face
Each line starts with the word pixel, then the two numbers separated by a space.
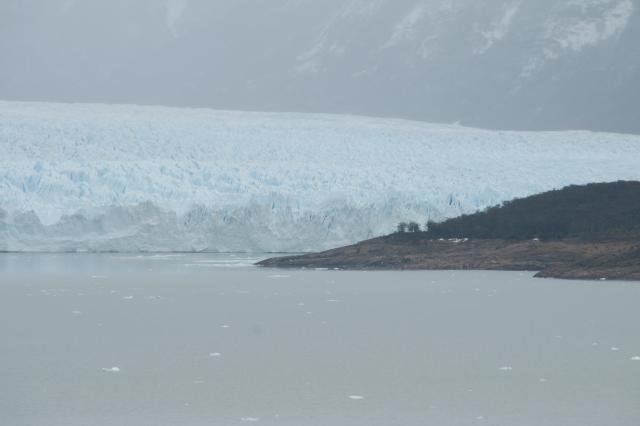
pixel 128 178
pixel 518 64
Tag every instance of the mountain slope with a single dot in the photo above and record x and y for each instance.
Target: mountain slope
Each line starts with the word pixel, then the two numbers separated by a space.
pixel 538 65
pixel 590 211
pixel 127 178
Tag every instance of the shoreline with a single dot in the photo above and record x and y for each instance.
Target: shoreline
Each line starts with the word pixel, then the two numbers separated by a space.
pixel 562 259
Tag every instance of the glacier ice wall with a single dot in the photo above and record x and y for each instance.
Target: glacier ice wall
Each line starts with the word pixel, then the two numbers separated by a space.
pixel 77 177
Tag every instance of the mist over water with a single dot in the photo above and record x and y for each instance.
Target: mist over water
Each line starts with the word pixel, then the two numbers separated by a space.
pixel 210 340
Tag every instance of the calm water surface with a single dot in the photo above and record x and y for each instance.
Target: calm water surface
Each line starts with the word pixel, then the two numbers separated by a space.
pixel 210 340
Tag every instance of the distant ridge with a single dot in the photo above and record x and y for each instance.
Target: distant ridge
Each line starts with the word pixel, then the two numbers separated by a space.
pixel 534 65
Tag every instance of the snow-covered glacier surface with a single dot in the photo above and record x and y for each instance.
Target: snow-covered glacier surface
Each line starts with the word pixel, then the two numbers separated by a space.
pixel 76 177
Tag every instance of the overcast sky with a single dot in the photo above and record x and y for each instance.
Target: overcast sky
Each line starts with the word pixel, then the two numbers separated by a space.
pixel 548 64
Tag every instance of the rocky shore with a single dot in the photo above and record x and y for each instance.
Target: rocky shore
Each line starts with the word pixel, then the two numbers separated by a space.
pixel 615 259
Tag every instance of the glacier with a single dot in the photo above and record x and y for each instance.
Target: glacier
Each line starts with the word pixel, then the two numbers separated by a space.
pixel 89 177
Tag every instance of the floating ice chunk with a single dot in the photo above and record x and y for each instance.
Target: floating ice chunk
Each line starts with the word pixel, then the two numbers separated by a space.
pixel 506 368
pixel 458 240
pixel 356 397
pixel 279 276
pixel 128 297
pixel 595 344
pixel 250 419
pixel 635 358
pixel 333 300
pixel 301 304
pixel 165 256
pixel 480 418
pixel 543 380
pixel 615 349
pixel 225 326
pixel 111 370
pixel 76 312
pixel 215 354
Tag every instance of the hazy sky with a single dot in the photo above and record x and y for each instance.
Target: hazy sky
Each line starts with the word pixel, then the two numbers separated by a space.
pixel 547 64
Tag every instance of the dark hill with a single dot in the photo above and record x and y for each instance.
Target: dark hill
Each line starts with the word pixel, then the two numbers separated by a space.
pixel 587 232
pixel 589 211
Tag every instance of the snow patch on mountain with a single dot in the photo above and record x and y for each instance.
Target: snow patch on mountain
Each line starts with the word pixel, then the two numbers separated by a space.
pixel 575 26
pixel 174 12
pixel 499 28
pixel 405 29
pixel 131 178
pixel 575 32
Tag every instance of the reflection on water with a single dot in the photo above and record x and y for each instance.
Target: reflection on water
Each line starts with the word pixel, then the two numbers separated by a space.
pixel 210 340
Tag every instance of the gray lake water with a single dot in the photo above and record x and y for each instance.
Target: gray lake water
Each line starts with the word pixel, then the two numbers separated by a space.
pixel 210 340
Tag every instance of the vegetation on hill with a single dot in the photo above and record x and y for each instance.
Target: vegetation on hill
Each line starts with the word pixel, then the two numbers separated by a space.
pixel 581 232
pixel 587 211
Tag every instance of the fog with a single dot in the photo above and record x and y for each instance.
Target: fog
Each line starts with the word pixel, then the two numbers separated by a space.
pixel 505 64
